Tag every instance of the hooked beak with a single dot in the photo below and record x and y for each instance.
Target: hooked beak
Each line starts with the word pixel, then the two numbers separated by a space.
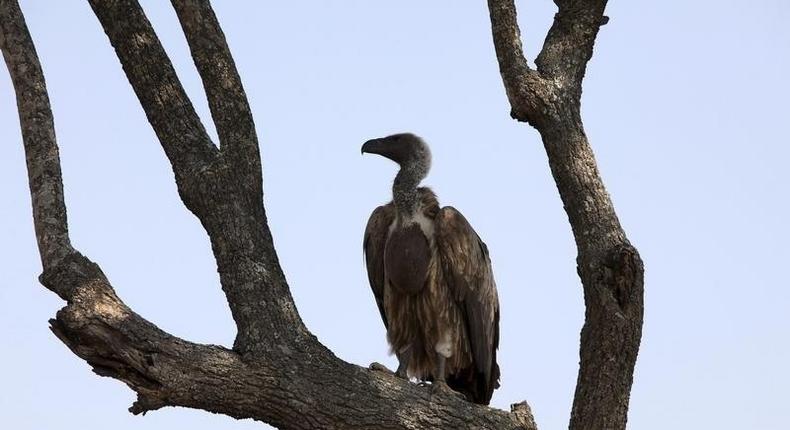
pixel 374 146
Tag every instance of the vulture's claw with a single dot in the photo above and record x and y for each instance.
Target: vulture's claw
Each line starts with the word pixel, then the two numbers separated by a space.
pixel 442 389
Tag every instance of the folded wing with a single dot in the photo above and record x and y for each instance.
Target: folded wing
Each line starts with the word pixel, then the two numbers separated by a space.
pixel 468 274
pixel 374 244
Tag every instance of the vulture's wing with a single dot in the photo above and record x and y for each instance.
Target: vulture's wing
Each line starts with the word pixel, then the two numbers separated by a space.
pixel 467 271
pixel 373 245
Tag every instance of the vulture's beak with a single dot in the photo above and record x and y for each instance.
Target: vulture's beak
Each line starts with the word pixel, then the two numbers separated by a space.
pixel 374 146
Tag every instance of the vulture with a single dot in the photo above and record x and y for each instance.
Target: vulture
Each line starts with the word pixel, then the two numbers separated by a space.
pixel 431 276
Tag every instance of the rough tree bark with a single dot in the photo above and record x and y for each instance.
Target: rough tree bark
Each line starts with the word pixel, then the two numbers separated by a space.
pixel 277 372
pixel 611 271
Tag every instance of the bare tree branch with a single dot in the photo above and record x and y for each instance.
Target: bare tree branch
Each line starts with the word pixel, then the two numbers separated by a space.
pixel 38 135
pixel 287 388
pixel 610 268
pixel 225 193
pixel 154 80
pixel 524 87
pixel 569 43
pixel 227 100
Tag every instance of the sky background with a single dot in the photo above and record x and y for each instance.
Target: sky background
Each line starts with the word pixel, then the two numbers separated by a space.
pixel 685 104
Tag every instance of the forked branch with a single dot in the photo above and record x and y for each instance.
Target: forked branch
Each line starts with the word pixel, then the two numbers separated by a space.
pixel 227 99
pixel 222 188
pixel 609 266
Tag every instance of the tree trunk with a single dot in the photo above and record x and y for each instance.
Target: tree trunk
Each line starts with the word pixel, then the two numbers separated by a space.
pixel 610 268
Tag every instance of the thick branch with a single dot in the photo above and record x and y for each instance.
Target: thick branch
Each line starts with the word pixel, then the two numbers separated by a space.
pixel 611 272
pixel 609 266
pixel 161 95
pixel 287 388
pixel 227 100
pixel 226 195
pixel 38 135
pixel 569 43
pixel 590 210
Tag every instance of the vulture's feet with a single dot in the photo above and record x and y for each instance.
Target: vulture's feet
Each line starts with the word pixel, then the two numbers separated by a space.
pixel 378 367
pixel 401 373
pixel 441 388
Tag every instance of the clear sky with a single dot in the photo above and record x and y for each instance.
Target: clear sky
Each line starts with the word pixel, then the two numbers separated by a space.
pixel 685 104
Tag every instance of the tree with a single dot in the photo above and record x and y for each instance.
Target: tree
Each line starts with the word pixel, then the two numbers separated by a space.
pixel 277 370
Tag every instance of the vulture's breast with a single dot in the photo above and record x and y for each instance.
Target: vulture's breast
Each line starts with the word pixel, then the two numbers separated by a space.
pixel 406 258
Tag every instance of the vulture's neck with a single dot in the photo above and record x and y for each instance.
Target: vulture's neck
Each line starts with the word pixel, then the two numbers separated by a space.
pixel 404 189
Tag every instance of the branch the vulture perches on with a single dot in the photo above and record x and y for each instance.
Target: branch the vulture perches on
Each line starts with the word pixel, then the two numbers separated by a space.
pixel 277 372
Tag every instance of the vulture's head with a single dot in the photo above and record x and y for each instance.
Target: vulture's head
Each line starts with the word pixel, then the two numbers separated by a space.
pixel 406 149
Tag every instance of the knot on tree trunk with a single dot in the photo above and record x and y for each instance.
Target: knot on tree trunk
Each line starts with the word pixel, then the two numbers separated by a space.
pixel 623 272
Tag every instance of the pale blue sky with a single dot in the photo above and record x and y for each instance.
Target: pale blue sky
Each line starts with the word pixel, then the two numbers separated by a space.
pixel 685 104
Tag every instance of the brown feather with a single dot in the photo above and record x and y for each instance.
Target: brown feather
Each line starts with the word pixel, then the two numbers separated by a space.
pixel 432 286
pixel 406 259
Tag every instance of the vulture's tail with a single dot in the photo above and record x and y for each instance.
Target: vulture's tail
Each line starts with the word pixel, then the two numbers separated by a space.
pixel 476 386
